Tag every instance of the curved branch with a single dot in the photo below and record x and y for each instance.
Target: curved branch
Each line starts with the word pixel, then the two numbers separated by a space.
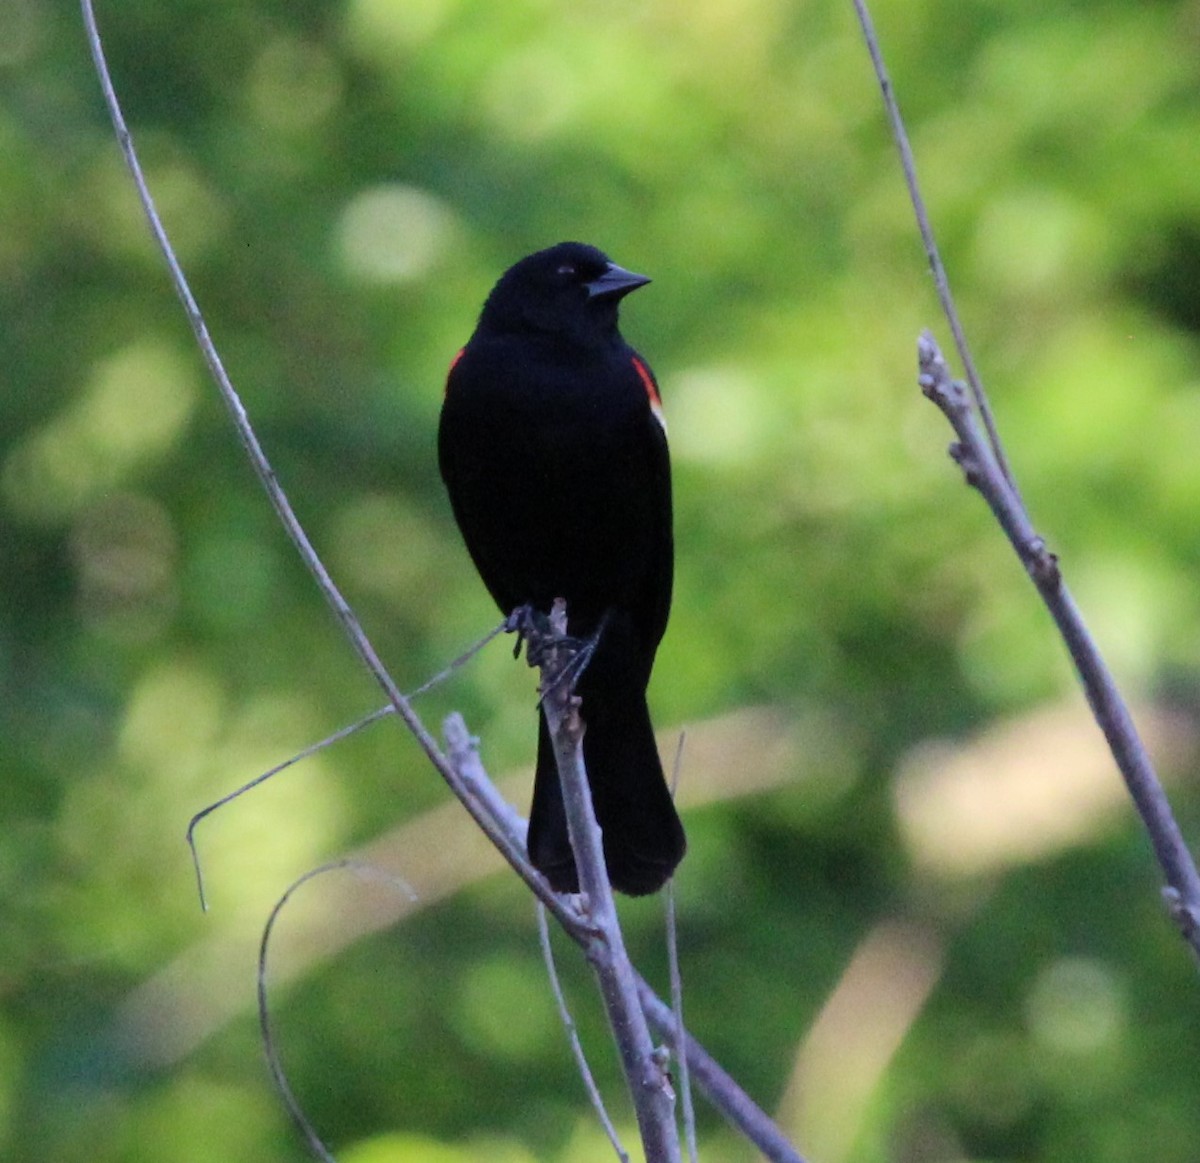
pixel 350 624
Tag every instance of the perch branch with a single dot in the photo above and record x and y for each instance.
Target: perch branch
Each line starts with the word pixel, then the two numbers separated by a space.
pixel 726 1096
pixel 649 1086
pixel 731 1100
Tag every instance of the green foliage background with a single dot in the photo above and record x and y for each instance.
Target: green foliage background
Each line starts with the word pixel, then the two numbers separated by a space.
pixel 344 180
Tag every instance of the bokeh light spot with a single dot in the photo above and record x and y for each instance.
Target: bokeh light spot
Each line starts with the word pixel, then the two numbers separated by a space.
pixel 1076 1006
pixel 21 27
pixel 386 546
pixel 383 28
pixel 294 84
pixel 505 1009
pixel 716 415
pixel 393 234
pixel 1037 241
pixel 530 95
pixel 131 412
pixel 124 550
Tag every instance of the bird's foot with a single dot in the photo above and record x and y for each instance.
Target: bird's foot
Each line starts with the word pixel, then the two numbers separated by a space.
pixel 564 657
pixel 528 625
pixel 537 635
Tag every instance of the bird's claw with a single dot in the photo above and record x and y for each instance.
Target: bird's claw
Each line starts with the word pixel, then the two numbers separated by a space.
pixel 565 656
pixel 534 631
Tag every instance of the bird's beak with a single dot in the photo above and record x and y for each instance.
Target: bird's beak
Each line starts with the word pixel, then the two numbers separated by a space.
pixel 615 282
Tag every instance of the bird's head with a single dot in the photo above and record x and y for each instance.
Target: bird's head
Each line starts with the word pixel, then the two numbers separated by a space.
pixel 571 290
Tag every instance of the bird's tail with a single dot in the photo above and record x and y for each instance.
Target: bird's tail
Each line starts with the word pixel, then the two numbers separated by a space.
pixel 643 836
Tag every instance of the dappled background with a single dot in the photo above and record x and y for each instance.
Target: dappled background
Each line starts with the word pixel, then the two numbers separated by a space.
pixel 918 919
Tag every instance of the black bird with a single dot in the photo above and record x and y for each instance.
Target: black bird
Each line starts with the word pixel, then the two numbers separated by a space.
pixel 553 449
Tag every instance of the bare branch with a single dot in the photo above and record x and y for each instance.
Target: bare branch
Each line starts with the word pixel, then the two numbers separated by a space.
pixel 733 1103
pixel 274 1062
pixel 313 748
pixel 250 785
pixel 676 979
pixel 983 472
pixel 685 1074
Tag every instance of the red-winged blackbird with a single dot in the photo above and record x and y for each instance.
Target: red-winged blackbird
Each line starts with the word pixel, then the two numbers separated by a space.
pixel 554 453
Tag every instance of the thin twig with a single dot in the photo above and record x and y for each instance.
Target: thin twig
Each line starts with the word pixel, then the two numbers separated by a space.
pixel 941 280
pixel 229 797
pixel 581 1062
pixel 313 748
pixel 982 470
pixel 274 1062
pixel 687 1108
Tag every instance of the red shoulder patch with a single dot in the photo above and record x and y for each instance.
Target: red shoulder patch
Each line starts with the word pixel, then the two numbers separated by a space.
pixel 453 365
pixel 648 381
pixel 651 387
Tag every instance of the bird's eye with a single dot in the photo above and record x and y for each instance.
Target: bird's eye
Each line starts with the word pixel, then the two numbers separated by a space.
pixel 567 269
